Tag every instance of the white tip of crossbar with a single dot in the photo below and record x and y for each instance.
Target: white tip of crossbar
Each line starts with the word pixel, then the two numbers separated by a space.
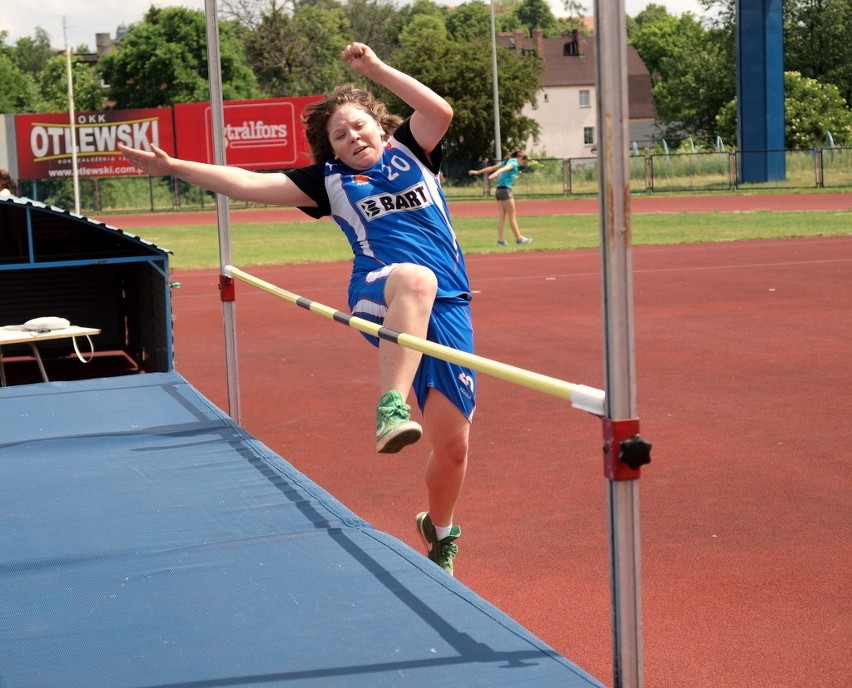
pixel 588 399
pixel 228 271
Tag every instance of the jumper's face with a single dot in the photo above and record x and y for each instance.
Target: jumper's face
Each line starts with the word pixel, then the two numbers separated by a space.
pixel 355 136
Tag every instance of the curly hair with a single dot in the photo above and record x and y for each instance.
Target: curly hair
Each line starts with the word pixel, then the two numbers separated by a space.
pixel 317 115
pixel 6 181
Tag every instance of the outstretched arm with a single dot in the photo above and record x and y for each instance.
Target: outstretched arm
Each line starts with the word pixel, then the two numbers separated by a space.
pixel 485 170
pixel 432 114
pixel 234 182
pixel 500 170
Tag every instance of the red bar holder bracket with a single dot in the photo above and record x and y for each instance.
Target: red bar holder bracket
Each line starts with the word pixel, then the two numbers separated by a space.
pixel 625 452
pixel 227 288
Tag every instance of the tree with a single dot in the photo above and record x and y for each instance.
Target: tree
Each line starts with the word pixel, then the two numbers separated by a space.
pixel 431 54
pixel 656 34
pixel 18 91
pixel 163 60
pixel 372 22
pixel 535 14
pixel 32 54
pixel 576 12
pixel 693 68
pixel 298 53
pixel 53 85
pixel 574 8
pixel 818 41
pixel 700 80
pixel 471 21
pixel 810 110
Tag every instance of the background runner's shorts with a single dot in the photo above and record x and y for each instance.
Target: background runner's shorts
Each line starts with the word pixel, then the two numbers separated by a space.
pixel 502 193
pixel 450 324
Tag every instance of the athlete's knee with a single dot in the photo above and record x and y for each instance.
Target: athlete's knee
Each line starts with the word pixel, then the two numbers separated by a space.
pixel 448 430
pixel 412 280
pixel 454 451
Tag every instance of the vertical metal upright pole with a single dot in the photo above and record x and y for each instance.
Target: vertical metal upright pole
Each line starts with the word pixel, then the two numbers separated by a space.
pixel 498 151
pixel 217 110
pixel 72 121
pixel 619 354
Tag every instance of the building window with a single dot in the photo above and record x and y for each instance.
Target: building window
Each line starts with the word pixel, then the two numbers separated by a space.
pixel 584 99
pixel 588 135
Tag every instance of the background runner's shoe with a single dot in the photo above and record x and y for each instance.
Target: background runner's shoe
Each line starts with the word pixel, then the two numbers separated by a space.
pixel 442 552
pixel 394 427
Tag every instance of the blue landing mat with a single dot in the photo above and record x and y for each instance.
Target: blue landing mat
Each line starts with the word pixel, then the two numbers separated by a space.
pixel 148 541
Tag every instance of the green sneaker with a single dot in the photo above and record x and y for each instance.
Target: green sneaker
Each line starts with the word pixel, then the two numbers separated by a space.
pixel 394 427
pixel 442 552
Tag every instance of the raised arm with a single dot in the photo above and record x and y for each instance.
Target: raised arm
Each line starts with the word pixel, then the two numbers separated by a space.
pixel 234 182
pixel 432 114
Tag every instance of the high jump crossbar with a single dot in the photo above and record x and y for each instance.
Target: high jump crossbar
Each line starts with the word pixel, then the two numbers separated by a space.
pixel 581 397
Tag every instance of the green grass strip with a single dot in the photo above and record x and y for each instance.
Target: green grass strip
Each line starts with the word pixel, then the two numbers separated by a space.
pixel 322 242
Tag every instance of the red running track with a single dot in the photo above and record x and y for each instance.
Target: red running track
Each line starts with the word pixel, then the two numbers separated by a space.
pixel 743 379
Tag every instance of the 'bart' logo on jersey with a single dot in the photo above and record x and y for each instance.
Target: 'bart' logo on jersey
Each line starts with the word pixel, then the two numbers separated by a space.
pixel 413 198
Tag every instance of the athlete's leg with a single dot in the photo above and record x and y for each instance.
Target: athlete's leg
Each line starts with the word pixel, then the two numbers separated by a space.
pixel 512 214
pixel 448 432
pixel 409 293
pixel 501 221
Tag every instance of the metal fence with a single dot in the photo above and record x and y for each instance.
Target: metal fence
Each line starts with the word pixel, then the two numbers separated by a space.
pixel 677 173
pixel 652 172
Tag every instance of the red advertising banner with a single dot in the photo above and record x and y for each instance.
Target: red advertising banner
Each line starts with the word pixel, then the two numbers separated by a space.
pixel 44 141
pixel 259 134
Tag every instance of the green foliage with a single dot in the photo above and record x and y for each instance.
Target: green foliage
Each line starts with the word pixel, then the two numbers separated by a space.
pixel 693 64
pixel 817 41
pixel 32 54
pixel 292 47
pixel 20 70
pixel 470 21
pixel 418 7
pixel 535 14
pixel 657 35
pixel 18 90
pixel 426 34
pixel 693 69
pixel 34 78
pixel 506 17
pixel 565 25
pixel 53 84
pixel 574 8
pixel 297 53
pixel 810 110
pixel 374 22
pixel 461 70
pixel 163 60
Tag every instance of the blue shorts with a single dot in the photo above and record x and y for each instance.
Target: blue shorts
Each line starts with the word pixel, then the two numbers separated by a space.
pixel 450 325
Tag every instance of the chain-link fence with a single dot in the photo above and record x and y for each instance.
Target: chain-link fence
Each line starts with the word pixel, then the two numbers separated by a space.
pixel 653 172
pixel 697 172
